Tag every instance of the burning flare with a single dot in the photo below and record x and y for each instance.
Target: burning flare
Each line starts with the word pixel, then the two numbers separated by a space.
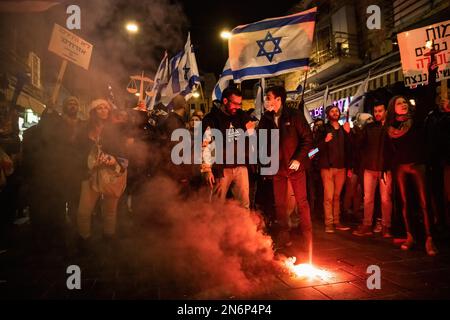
pixel 305 270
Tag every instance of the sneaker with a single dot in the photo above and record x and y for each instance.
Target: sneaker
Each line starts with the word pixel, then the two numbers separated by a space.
pixel 329 229
pixel 378 227
pixel 386 232
pixel 409 243
pixel 363 230
pixel 341 227
pixel 430 248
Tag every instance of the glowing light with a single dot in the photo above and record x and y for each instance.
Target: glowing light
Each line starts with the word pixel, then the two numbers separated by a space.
pixel 132 27
pixel 413 102
pixel 225 35
pixel 429 44
pixel 196 95
pixel 137 94
pixel 305 270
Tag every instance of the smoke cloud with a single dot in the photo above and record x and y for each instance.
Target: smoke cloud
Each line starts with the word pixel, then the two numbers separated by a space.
pixel 117 54
pixel 214 250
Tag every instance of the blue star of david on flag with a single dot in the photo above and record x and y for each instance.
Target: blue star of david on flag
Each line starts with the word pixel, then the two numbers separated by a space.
pixel 262 43
pixel 272 46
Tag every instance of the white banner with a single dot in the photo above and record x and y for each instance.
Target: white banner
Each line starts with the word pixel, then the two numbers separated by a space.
pixel 70 47
pixel 414 50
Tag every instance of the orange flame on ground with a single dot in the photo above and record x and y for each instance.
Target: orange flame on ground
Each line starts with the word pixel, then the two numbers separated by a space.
pixel 305 270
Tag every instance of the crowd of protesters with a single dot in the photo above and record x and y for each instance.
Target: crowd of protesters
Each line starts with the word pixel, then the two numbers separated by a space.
pixel 71 170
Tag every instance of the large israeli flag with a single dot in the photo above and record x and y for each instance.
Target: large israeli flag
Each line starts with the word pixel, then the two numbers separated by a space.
pixel 160 81
pixel 224 81
pixel 184 76
pixel 272 46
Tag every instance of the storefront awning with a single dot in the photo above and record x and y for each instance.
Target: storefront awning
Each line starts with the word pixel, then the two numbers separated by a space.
pixel 380 80
pixel 377 81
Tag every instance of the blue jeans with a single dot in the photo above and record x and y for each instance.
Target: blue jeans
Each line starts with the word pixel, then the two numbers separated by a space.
pixel 371 179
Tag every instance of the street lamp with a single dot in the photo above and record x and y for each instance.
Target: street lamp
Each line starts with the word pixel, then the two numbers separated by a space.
pixel 225 34
pixel 132 27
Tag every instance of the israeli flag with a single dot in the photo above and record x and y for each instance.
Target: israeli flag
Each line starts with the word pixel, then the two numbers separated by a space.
pixel 326 99
pixel 161 80
pixel 357 103
pixel 272 46
pixel 184 76
pixel 224 81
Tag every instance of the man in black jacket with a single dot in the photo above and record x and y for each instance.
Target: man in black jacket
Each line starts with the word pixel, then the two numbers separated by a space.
pixel 295 141
pixel 175 120
pixel 437 126
pixel 231 122
pixel 375 146
pixel 334 161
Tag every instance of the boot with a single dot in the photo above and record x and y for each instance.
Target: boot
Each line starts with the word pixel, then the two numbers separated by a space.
pixel 430 248
pixel 408 244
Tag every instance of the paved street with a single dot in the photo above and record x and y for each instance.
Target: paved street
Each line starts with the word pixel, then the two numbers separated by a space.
pixel 123 274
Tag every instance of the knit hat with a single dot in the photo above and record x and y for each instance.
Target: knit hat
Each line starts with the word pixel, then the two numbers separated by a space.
pixel 97 102
pixel 69 99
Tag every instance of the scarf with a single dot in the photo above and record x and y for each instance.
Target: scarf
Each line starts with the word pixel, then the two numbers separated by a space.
pixel 401 126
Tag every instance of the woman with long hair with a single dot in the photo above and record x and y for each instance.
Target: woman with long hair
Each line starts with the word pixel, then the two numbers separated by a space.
pixel 100 147
pixel 408 139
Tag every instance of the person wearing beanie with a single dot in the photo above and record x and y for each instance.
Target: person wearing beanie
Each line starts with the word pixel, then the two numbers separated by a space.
pixel 50 157
pixel 335 164
pixel 71 105
pixel 66 144
pixel 99 134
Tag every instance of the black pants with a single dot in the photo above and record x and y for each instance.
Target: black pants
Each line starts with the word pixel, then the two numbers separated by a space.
pixel 417 174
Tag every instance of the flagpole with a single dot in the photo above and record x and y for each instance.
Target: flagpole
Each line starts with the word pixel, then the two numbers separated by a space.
pixel 201 94
pixel 304 84
pixel 201 91
pixel 263 87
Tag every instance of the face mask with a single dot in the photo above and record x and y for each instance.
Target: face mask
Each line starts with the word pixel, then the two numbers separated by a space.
pixel 268 106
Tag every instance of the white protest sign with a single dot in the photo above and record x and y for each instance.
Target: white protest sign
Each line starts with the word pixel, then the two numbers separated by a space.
pixel 71 47
pixel 414 52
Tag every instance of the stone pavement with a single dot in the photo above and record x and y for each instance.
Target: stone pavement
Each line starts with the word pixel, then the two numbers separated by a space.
pixel 26 272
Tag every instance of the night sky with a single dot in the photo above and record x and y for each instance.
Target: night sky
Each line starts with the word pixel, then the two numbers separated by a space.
pixel 208 18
